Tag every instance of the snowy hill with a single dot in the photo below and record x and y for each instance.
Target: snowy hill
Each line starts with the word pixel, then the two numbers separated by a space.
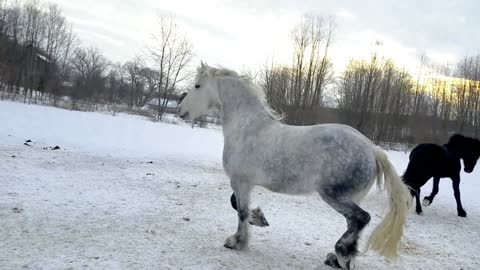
pixel 127 193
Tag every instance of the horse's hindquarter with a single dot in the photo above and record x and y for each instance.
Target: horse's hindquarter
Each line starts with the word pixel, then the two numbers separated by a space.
pixel 298 160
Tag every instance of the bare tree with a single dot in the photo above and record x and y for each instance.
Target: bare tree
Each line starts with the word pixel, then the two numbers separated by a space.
pixel 150 79
pixel 90 67
pixel 132 70
pixel 171 53
pixel 302 85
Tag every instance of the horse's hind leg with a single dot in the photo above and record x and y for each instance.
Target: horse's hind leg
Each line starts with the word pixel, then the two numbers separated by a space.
pixel 256 216
pixel 346 246
pixel 241 190
pixel 418 206
pixel 429 199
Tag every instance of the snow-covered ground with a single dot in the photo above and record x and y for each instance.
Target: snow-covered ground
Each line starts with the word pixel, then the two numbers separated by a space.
pixel 127 193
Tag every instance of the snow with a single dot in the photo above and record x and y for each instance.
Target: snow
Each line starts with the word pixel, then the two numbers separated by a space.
pixel 127 193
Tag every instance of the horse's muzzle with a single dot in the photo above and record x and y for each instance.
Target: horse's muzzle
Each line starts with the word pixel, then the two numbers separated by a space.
pixel 185 115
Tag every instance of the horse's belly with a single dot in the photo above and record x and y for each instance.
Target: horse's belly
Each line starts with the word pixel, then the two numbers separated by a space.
pixel 290 187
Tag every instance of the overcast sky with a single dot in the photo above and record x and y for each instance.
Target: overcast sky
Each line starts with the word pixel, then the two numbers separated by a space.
pixel 246 33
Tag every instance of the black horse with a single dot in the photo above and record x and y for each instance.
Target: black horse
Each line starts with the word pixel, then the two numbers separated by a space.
pixel 432 160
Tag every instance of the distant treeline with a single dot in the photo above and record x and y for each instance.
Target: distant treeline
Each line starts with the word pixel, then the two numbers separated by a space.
pixel 386 103
pixel 42 58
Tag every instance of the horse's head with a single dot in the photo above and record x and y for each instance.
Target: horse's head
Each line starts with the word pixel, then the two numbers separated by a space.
pixel 205 97
pixel 467 148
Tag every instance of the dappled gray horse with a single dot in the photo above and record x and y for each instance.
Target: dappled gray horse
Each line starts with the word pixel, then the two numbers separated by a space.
pixel 336 161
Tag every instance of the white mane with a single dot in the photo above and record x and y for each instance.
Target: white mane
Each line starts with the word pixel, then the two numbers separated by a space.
pixel 254 89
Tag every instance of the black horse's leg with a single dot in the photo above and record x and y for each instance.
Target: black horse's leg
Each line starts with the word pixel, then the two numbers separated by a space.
pixel 429 199
pixel 233 201
pixel 456 193
pixel 418 205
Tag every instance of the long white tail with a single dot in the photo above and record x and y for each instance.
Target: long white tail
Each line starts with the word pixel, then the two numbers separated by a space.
pixel 385 239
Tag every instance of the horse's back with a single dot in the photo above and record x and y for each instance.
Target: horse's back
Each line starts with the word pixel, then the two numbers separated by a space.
pixel 429 160
pixel 427 151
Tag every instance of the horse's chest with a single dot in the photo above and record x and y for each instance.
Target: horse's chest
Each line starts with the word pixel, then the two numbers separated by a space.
pixel 448 168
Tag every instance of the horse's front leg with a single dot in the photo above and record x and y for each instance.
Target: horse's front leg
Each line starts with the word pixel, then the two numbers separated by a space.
pixel 429 199
pixel 456 192
pixel 242 189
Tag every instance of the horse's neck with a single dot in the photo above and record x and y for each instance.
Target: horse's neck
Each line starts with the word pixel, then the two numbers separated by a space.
pixel 453 151
pixel 242 110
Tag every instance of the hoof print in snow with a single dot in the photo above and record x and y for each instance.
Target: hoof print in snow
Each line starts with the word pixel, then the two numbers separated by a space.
pixel 56 148
pixel 151 232
pixel 150 174
pixel 308 243
pixel 13 156
pixel 96 258
pixel 17 210
pixel 28 141
pixel 150 162
pixel 186 219
pixel 26 144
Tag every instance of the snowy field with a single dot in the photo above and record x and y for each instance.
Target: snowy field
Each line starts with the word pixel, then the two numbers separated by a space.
pixel 127 193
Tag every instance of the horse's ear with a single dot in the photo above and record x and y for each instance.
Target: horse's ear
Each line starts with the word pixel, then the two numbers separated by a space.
pixel 203 65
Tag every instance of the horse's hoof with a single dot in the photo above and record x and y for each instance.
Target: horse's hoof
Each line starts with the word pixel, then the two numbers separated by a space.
pixel 350 265
pixel 462 213
pixel 345 263
pixel 426 202
pixel 233 242
pixel 257 218
pixel 332 260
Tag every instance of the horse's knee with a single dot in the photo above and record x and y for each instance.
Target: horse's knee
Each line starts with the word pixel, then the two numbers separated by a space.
pixel 243 214
pixel 363 219
pixel 359 221
pixel 346 249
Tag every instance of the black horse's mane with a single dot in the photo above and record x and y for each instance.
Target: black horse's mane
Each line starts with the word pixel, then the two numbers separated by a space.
pixel 463 144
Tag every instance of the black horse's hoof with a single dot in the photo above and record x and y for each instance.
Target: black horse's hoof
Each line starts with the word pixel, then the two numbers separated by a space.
pixel 462 213
pixel 419 212
pixel 427 201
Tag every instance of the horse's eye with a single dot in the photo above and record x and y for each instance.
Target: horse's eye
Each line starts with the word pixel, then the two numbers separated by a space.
pixel 197 86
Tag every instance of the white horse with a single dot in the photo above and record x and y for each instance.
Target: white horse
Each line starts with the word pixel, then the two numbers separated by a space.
pixel 334 160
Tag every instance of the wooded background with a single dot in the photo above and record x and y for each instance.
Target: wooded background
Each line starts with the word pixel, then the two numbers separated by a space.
pixel 43 61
